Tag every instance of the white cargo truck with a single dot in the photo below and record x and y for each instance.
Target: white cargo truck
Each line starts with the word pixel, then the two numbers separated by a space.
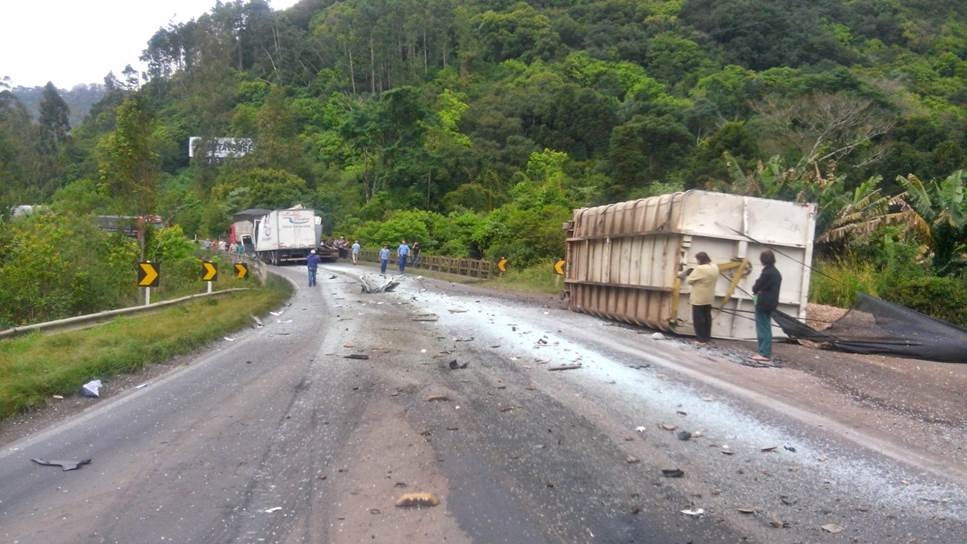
pixel 285 236
pixel 623 259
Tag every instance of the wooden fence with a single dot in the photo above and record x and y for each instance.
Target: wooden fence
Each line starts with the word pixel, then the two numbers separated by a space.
pixel 476 268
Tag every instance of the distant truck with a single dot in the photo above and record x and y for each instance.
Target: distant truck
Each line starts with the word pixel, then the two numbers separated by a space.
pixel 285 236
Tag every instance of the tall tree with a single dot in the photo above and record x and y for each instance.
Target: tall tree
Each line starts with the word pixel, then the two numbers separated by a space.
pixel 54 119
pixel 128 162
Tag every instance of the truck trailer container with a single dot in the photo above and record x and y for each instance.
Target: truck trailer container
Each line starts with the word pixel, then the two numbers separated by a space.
pixel 624 259
pixel 288 235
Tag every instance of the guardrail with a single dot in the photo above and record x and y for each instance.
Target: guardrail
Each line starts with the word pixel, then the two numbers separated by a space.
pixel 100 316
pixel 477 268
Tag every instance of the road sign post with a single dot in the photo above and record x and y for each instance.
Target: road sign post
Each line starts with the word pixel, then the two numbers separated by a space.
pixel 149 275
pixel 558 271
pixel 209 273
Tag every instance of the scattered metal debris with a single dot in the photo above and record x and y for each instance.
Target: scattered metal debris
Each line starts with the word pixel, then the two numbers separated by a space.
pixel 256 320
pixel 693 511
pixel 832 528
pixel 437 398
pixel 565 367
pixel 273 509
pixel 684 435
pixel 454 365
pixel 667 426
pixel 362 356
pixel 66 464
pixel 373 284
pixel 672 472
pixel 417 499
pixel 631 460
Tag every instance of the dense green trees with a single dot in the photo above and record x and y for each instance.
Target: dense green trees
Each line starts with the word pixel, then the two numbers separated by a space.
pixel 497 117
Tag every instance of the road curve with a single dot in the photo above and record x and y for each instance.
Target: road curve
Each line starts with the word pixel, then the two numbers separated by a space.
pixel 278 436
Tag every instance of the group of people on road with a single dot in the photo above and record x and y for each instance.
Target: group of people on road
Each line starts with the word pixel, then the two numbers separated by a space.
pixel 405 254
pixel 701 279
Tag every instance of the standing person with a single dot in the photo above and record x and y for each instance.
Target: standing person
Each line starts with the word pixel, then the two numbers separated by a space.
pixel 383 259
pixel 702 280
pixel 356 247
pixel 403 252
pixel 416 254
pixel 765 292
pixel 312 263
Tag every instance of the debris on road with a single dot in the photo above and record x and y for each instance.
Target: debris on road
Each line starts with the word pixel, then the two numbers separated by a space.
pixel 684 435
pixel 469 339
pixel 256 320
pixel 92 389
pixel 667 426
pixel 789 448
pixel 768 449
pixel 417 499
pixel 362 356
pixel 832 528
pixel 631 460
pixel 693 511
pixel 273 509
pixel 67 464
pixel 372 284
pixel 564 367
pixel 454 365
pixel 672 472
pixel 746 510
pixel 425 317
pixel 437 398
pixel 229 339
pixel 657 336
pixel 640 429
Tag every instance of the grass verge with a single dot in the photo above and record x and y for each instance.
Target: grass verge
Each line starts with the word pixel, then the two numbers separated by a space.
pixel 539 278
pixel 34 367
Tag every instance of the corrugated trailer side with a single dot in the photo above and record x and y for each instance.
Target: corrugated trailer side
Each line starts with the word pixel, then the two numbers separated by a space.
pixel 624 258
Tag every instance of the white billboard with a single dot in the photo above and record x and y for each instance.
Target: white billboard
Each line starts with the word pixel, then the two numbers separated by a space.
pixel 220 148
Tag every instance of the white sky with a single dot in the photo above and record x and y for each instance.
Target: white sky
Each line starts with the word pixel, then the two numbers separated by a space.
pixel 70 42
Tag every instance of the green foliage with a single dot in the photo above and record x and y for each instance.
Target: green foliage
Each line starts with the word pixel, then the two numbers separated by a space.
pixel 837 283
pixel 942 298
pixel 538 277
pixel 56 266
pixel 34 367
pixel 410 225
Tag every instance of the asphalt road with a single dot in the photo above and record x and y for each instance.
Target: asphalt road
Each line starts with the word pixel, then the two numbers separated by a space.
pixel 275 435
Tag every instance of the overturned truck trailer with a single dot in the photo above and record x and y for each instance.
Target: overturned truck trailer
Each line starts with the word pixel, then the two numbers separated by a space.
pixel 623 259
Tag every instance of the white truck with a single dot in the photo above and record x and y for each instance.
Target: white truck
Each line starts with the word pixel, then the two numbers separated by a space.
pixel 284 236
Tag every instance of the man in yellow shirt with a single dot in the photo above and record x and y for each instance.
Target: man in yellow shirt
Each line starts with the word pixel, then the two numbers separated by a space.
pixel 702 280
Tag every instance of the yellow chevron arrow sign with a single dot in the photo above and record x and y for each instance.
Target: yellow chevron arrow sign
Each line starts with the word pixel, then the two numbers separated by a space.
pixel 209 272
pixel 241 271
pixel 148 274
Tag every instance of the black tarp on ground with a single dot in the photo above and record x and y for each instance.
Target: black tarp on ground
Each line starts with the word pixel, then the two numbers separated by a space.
pixel 874 325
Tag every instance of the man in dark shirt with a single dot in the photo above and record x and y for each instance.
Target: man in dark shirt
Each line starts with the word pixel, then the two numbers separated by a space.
pixel 765 292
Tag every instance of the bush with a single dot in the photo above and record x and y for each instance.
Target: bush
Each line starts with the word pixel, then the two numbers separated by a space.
pixel 836 282
pixel 941 298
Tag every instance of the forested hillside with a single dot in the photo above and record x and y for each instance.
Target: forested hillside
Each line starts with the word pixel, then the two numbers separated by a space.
pixel 477 126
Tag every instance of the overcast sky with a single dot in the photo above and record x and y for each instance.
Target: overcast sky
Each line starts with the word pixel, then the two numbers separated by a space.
pixel 70 42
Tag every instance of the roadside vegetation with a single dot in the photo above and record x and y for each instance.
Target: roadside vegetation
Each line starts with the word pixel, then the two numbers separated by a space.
pixel 476 127
pixel 36 366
